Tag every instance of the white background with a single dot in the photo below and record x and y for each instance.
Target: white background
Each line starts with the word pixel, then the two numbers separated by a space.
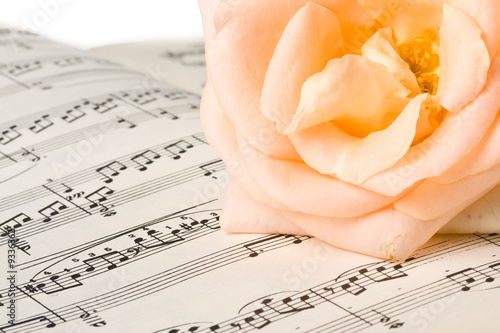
pixel 90 23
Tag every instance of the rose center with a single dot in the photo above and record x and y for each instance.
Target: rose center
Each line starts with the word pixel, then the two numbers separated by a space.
pixel 422 55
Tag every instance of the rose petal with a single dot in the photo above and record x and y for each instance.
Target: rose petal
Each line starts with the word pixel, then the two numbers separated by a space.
pixel 483 157
pixel 242 214
pixel 464 59
pixel 237 60
pixel 330 151
pixel 385 233
pixel 380 48
pixel 207 10
pixel 457 135
pixel 483 216
pixel 310 40
pixel 486 14
pixel 220 134
pixel 408 18
pixel 429 200
pixel 318 194
pixel 355 92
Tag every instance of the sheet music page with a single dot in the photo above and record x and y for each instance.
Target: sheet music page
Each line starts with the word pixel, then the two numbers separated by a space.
pixel 109 206
pixel 180 62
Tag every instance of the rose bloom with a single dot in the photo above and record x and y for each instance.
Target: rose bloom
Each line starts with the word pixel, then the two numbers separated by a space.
pixel 369 124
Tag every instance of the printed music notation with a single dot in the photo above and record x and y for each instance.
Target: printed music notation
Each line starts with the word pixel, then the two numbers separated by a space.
pixel 111 198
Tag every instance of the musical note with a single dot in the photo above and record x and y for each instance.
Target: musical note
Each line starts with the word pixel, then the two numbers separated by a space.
pixel 495 266
pixel 123 120
pixel 52 210
pixel 85 313
pixel 9 135
pixel 28 323
pixel 168 114
pixel 300 304
pixel 258 322
pixel 41 124
pixel 34 157
pixel 13 223
pixel 67 189
pixel 111 259
pixel 209 168
pixel 21 69
pixel 68 62
pixel 214 328
pixel 396 325
pixel 56 283
pixel 383 274
pixel 141 98
pixel 145 158
pixel 175 95
pixel 110 170
pixel 468 276
pixel 103 106
pixel 41 84
pixel 257 247
pixel 353 287
pixel 177 148
pixel 99 196
pixel 384 319
pixel 73 114
pixel 153 234
pixel 29 288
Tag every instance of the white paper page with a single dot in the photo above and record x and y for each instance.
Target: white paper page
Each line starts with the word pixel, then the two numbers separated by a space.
pixel 113 197
pixel 181 62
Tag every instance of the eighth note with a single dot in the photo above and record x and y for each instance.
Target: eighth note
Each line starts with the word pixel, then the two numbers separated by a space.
pixel 99 196
pixel 9 135
pixel 210 168
pixel 177 148
pixel 145 158
pixel 467 277
pixel 52 210
pixel 111 170
pixel 41 124
pixel 13 223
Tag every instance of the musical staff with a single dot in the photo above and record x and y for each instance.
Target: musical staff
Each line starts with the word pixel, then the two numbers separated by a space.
pixel 77 179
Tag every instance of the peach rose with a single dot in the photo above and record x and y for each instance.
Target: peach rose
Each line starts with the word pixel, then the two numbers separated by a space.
pixel 368 124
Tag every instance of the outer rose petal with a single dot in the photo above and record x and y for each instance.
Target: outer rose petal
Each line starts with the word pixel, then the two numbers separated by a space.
pixel 329 150
pixel 220 134
pixel 457 135
pixel 243 214
pixel 464 59
pixel 318 194
pixel 486 14
pixel 310 40
pixel 483 157
pixel 207 9
pixel 429 200
pixel 483 216
pixel 354 92
pixel 237 60
pixel 385 233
